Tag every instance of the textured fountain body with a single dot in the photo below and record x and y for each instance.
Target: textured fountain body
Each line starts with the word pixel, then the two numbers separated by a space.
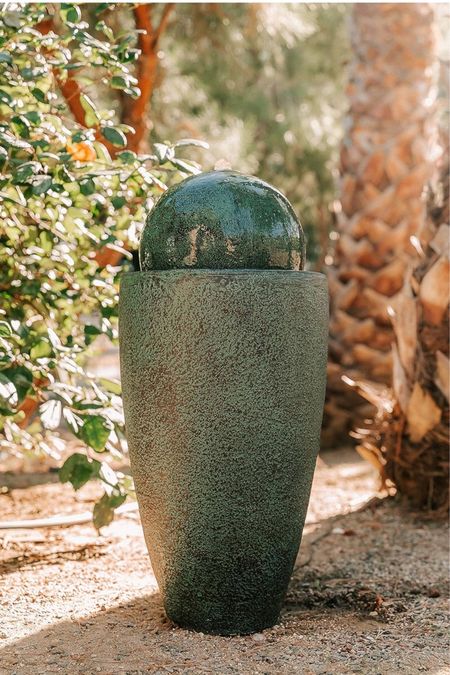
pixel 223 375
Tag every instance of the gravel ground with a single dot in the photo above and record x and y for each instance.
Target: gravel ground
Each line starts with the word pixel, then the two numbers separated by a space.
pixel 368 595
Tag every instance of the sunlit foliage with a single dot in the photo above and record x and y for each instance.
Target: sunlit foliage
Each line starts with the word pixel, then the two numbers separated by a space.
pixel 63 199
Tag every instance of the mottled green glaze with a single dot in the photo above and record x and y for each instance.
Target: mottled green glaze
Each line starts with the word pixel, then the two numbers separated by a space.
pixel 223 353
pixel 223 376
pixel 222 220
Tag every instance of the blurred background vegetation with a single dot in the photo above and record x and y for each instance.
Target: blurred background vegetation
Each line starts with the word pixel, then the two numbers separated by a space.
pixel 265 87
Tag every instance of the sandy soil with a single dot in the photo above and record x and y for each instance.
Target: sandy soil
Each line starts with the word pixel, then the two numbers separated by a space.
pixel 368 594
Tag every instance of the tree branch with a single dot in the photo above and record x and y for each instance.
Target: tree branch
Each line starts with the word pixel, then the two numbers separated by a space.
pixel 164 21
pixel 134 110
pixel 71 91
pixel 69 88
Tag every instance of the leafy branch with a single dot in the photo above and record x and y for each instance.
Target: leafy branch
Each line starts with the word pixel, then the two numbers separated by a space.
pixel 62 200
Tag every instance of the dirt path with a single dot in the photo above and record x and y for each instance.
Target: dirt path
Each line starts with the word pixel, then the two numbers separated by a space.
pixel 368 594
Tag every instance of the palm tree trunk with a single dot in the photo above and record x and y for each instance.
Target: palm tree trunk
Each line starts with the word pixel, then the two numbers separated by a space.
pixel 388 158
pixel 408 439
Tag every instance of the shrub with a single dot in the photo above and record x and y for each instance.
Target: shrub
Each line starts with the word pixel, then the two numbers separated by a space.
pixel 63 198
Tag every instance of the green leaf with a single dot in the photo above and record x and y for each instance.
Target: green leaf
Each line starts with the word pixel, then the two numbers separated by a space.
pixel 41 143
pixel 6 412
pixel 41 184
pixel 8 393
pixel 11 141
pixel 46 241
pixel 191 141
pixel 110 479
pixel 39 95
pixel 101 7
pixel 78 470
pixel 134 92
pixel 5 58
pixel 90 333
pixel 34 116
pixel 113 386
pixel 104 509
pixel 70 13
pixel 41 349
pixel 26 170
pixel 114 136
pixel 162 151
pixel 90 111
pixel 127 156
pixel 94 431
pixel 102 153
pixel 119 82
pixel 106 30
pixel 92 330
pixel 118 202
pixel 184 166
pixel 5 97
pixel 12 19
pixel 87 187
pixel 126 128
pixel 65 176
pixel 5 329
pixel 21 378
pixel 79 136
pixel 21 125
pixel 18 197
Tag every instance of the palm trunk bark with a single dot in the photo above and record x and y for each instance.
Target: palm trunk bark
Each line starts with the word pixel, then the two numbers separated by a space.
pixel 408 439
pixel 388 158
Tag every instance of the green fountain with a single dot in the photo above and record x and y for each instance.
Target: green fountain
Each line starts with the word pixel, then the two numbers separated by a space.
pixel 223 342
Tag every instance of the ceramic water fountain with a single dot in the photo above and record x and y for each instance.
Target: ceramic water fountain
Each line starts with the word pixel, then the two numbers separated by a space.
pixel 223 340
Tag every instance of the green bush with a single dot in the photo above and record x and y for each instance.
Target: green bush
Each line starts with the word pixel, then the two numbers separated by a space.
pixel 63 198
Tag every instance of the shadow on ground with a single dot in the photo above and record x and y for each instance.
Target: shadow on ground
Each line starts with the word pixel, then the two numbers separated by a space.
pixel 368 595
pixel 352 606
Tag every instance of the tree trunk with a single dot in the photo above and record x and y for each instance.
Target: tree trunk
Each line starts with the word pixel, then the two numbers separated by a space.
pixel 387 161
pixel 135 111
pixel 408 439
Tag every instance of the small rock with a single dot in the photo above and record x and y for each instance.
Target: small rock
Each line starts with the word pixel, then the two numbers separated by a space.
pixel 337 530
pixel 433 593
pixel 258 637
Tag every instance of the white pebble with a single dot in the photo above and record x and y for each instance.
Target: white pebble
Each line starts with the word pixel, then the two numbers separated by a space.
pixel 258 637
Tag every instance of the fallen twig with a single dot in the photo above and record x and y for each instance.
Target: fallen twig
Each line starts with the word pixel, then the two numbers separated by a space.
pixel 61 520
pixel 9 480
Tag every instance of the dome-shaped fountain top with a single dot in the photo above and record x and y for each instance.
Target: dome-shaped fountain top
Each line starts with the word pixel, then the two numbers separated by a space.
pixel 222 220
